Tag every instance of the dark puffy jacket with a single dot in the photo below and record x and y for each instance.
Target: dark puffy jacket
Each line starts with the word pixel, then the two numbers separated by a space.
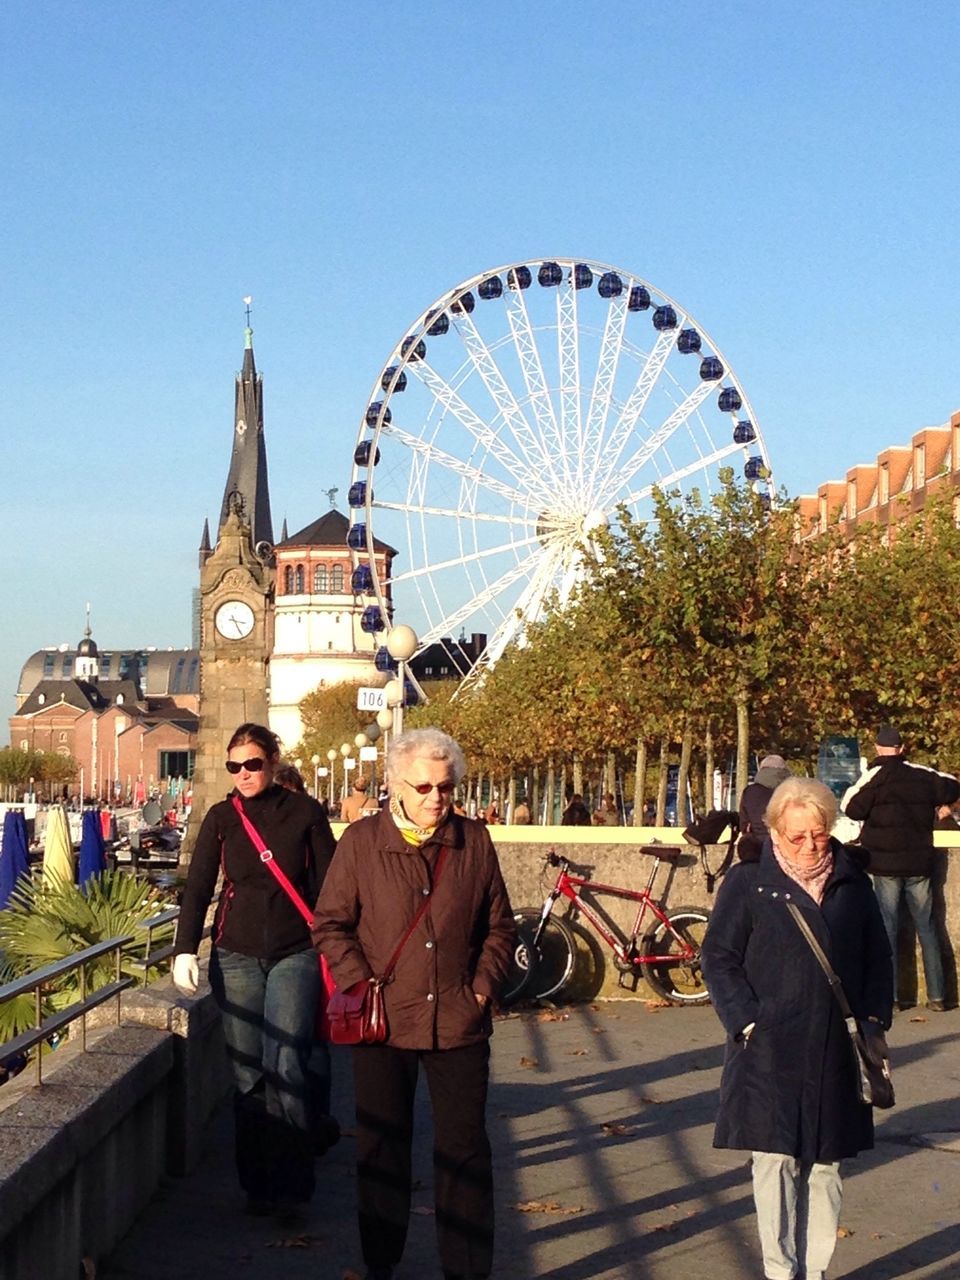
pixel 792 1086
pixel 255 917
pixel 460 948
pixel 896 801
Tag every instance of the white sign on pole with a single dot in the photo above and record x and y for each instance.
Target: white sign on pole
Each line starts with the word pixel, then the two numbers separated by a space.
pixel 322 773
pixel 368 753
pixel 371 699
pixel 349 763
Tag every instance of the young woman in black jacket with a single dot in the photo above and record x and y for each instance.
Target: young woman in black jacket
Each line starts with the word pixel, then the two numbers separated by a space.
pixel 263 968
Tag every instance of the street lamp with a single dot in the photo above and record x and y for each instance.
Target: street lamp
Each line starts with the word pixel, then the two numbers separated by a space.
pixel 402 645
pixel 315 761
pixel 345 749
pixel 331 756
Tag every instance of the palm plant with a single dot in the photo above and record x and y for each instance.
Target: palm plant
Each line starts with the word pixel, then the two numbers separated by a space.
pixel 45 923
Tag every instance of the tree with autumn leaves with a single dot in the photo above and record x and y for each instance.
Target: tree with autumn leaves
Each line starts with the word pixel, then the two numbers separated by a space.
pixel 710 632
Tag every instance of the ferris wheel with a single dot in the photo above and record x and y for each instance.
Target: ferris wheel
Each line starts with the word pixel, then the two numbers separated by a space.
pixel 517 413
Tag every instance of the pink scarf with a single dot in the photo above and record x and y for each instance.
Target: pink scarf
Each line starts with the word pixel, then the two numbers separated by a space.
pixel 813 878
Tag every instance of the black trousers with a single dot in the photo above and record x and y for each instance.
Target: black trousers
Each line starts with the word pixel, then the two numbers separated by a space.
pixel 385 1081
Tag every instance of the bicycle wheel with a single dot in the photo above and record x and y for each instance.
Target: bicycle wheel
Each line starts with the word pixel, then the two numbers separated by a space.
pixel 523 963
pixel 555 955
pixel 679 980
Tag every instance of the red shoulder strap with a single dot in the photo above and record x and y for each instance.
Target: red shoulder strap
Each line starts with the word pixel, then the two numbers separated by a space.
pixel 266 857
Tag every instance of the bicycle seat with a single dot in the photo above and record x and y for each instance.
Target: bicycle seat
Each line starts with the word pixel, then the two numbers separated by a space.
pixel 665 852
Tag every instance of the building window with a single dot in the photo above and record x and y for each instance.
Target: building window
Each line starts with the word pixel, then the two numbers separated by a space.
pixel 176 764
pixel 177 682
pixel 48 662
pixel 298 581
pixel 920 466
pixel 320 579
pixel 851 499
pixel 62 737
pixel 288 580
pixel 336 579
pixel 41 698
pixel 24 745
pixel 885 482
pixel 105 659
pixel 192 677
pixel 67 669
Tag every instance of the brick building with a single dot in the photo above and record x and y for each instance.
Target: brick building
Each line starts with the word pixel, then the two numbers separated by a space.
pixel 894 486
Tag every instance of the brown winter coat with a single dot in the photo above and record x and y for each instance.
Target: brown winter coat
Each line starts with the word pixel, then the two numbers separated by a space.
pixel 461 948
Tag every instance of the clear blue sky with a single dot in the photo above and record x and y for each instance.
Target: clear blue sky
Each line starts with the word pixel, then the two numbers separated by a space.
pixel 788 172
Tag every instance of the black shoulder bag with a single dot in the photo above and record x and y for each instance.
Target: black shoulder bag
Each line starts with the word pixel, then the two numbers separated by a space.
pixel 867 1038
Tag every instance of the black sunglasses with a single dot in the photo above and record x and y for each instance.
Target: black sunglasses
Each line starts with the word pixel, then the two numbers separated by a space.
pixel 424 788
pixel 253 765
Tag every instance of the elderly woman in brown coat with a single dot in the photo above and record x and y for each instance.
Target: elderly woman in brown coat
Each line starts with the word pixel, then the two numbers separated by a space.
pixel 438 999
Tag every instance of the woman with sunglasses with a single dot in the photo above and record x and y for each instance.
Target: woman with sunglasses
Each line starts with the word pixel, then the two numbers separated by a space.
pixel 789 1091
pixel 438 1000
pixel 263 967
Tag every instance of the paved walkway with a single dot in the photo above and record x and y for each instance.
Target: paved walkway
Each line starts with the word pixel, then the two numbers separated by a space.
pixel 601 1120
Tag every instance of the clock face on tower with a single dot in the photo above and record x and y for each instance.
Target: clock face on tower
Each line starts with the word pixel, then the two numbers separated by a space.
pixel 234 620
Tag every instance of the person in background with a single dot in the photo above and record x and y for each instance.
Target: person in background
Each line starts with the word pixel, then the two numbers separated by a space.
pixel 521 815
pixel 491 814
pixel 358 804
pixel 607 815
pixel 897 803
pixel 753 805
pixel 790 1091
pixel 576 814
pixel 263 967
pixel 438 1001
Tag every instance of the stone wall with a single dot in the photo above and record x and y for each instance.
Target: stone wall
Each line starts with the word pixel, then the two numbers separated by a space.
pixel 615 855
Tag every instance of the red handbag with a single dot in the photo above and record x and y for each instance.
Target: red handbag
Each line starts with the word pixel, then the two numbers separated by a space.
pixel 358 1016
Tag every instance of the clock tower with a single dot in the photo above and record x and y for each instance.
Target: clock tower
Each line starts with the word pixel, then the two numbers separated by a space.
pixel 236 601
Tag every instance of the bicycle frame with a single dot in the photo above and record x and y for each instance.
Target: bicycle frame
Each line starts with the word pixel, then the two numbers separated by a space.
pixel 568 886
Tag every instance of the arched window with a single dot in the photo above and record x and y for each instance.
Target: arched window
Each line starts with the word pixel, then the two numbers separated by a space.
pixel 320 579
pixel 288 580
pixel 336 579
pixel 298 581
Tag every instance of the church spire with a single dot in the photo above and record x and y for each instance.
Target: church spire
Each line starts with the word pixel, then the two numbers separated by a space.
pixel 205 547
pixel 247 479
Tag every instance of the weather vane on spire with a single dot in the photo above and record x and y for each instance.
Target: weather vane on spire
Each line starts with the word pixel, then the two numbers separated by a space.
pixel 248 303
pixel 248 332
pixel 332 495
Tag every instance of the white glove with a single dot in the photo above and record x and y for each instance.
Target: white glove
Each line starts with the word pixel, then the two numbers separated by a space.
pixel 186 974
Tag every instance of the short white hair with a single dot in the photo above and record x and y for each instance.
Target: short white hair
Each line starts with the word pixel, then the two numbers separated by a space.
pixel 429 744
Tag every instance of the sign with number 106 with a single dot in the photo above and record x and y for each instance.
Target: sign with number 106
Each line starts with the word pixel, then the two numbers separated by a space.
pixel 371 699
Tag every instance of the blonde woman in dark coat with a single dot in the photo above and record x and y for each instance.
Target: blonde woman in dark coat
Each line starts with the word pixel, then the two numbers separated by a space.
pixel 789 1091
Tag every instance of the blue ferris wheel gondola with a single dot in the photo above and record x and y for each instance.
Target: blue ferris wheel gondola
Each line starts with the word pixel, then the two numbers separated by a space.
pixel 743 433
pixel 755 469
pixel 361 454
pixel 373 413
pixel 550 275
pixel 664 319
pixel 610 285
pixel 711 369
pixel 519 277
pixel 399 385
pixel 357 494
pixel 490 288
pixel 371 620
pixel 729 400
pixel 639 299
pixel 383 661
pixel 688 342
pixel 464 304
pixel 357 537
pixel 582 276
pixel 361 582
pixel 414 348
pixel 438 324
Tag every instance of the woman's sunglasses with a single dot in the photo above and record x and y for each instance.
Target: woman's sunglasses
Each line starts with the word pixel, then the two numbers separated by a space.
pixel 424 788
pixel 253 765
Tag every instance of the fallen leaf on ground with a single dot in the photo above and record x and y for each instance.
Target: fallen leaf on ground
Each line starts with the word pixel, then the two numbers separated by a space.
pixel 529 1062
pixel 918 1017
pixel 579 1053
pixel 653 1102
pixel 618 1130
pixel 552 1015
pixel 652 1006
pixel 664 1226
pixel 598 1031
pixel 423 1210
pixel 843 1233
pixel 546 1206
pixel 352 1275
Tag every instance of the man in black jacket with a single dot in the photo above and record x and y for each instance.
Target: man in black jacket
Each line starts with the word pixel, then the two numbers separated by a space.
pixel 897 802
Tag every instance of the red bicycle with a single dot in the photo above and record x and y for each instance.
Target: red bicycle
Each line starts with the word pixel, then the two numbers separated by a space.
pixel 667 954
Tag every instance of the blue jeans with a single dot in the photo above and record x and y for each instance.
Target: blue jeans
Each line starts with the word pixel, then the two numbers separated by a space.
pixel 919 895
pixel 268 1011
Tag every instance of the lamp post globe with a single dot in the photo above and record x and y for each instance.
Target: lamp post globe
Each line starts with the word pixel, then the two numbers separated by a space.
pixel 385 719
pixel 361 740
pixel 393 692
pixel 402 643
pixel 373 733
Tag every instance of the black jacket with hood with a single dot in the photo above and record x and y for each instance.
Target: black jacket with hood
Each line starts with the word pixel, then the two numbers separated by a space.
pixel 897 801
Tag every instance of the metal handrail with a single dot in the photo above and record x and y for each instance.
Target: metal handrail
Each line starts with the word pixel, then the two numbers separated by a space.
pixel 37 978
pixel 34 981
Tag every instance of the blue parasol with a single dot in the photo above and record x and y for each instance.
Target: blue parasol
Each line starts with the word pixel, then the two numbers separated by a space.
pixel 93 861
pixel 14 855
